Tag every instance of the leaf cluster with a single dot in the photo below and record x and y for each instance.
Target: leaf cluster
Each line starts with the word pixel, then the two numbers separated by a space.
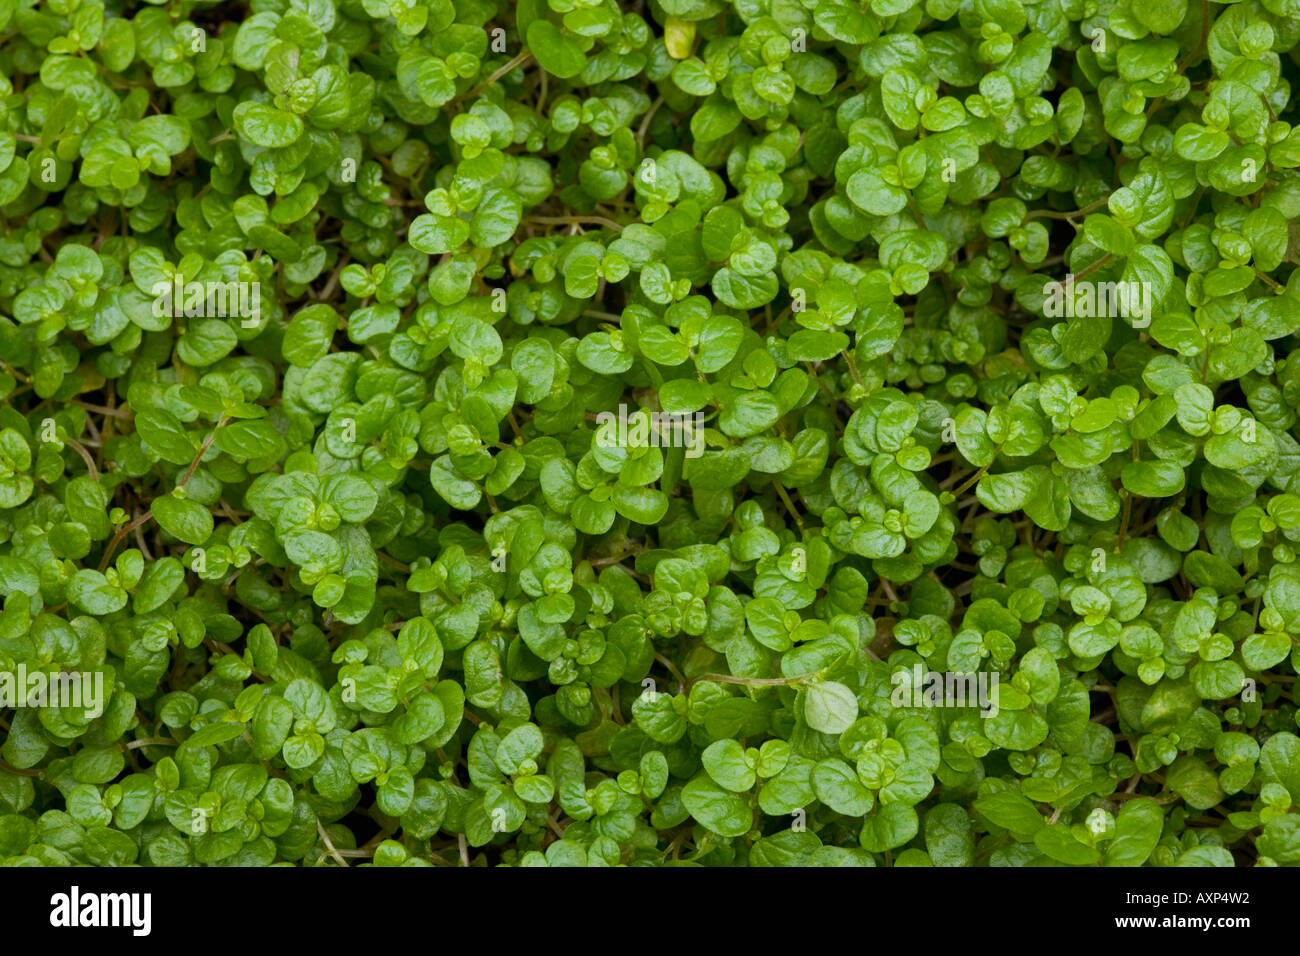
pixel 370 577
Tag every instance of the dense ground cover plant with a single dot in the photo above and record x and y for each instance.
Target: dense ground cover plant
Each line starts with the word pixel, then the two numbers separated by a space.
pixel 369 575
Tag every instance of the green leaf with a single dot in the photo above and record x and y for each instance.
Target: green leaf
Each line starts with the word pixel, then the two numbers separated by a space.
pixel 829 707
pixel 1137 831
pixel 187 520
pixel 267 126
pixel 724 760
pixel 718 809
pixel 891 826
pixel 1058 843
pixel 1009 809
pixel 557 53
pixel 95 594
pixel 250 440
pixel 749 414
pixel 1191 779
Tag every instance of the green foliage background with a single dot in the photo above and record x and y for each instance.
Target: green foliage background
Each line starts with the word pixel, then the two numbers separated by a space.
pixel 366 584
